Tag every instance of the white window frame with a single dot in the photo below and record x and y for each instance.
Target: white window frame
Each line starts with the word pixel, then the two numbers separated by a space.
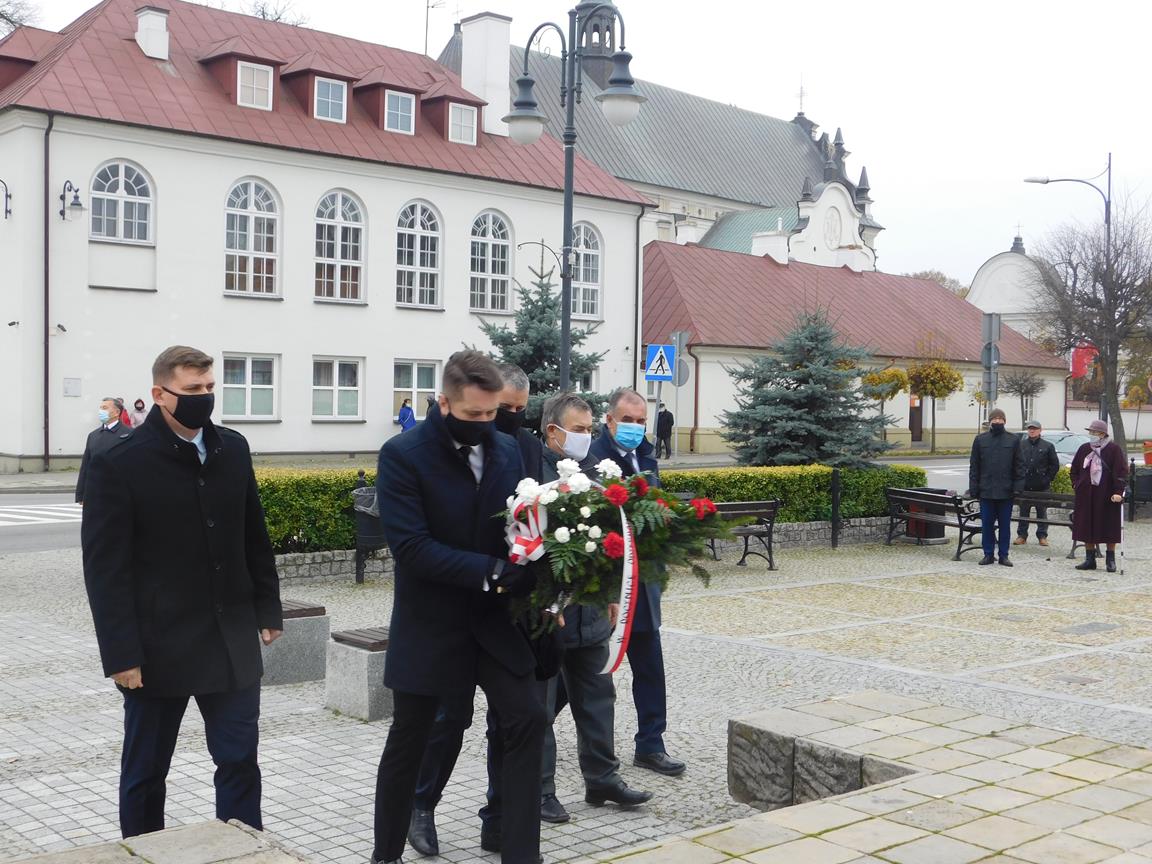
pixel 347 235
pixel 241 65
pixel 121 201
pixel 234 218
pixel 223 387
pixel 414 392
pixel 424 245
pixel 484 275
pixel 336 389
pixel 343 85
pixel 581 288
pixel 453 107
pixel 411 130
pixel 1029 408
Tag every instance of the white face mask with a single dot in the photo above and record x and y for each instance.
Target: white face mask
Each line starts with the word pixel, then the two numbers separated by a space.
pixel 576 444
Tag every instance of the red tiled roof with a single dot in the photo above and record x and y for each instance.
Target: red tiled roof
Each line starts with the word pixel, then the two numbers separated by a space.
pixel 97 70
pixel 314 61
pixel 734 300
pixel 28 43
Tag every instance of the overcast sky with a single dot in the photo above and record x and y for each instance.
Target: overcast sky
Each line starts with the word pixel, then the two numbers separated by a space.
pixel 949 105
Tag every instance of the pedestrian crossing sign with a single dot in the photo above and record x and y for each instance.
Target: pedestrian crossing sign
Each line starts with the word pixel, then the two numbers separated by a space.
pixel 660 363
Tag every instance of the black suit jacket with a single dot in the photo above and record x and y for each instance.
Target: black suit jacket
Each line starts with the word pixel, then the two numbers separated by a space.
pixel 99 440
pixel 647 615
pixel 446 537
pixel 177 562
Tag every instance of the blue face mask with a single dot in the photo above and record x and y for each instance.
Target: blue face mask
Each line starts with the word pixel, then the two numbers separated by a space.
pixel 629 435
pixel 103 415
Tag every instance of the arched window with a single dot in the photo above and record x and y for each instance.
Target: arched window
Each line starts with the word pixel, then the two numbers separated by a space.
pixel 586 274
pixel 418 256
pixel 251 247
pixel 121 204
pixel 339 247
pixel 489 263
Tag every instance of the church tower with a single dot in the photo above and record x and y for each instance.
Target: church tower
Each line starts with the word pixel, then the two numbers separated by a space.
pixel 599 43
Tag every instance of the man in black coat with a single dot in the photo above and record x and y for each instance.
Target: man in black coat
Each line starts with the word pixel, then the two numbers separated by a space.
pixel 995 475
pixel 453 719
pixel 442 486
pixel 623 442
pixel 665 422
pixel 183 586
pixel 1040 464
pixel 110 433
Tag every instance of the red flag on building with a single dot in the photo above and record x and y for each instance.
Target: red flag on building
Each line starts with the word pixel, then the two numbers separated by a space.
pixel 1082 357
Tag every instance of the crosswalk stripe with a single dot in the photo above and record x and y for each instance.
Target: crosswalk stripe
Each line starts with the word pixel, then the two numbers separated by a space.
pixel 40 514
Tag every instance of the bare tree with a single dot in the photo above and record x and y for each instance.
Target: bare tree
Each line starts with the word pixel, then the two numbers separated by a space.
pixel 1024 384
pixel 282 11
pixel 1089 290
pixel 16 13
pixel 954 285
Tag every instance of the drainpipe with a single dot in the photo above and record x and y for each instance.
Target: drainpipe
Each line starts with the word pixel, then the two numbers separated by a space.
pixel 1067 380
pixel 639 294
pixel 47 198
pixel 695 401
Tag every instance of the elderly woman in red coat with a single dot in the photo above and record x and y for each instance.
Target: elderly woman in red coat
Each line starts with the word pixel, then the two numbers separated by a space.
pixel 1099 476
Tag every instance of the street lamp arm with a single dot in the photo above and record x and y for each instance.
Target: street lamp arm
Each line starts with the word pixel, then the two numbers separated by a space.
pixel 589 15
pixel 543 245
pixel 545 26
pixel 1107 203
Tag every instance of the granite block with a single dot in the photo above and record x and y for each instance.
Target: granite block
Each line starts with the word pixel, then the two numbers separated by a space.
pixel 354 684
pixel 822 771
pixel 760 765
pixel 299 654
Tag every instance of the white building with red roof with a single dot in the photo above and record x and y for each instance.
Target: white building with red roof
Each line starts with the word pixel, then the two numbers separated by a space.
pixel 329 218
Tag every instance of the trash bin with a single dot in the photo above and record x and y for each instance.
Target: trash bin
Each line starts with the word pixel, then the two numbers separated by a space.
pixel 369 534
pixel 925 532
pixel 1142 485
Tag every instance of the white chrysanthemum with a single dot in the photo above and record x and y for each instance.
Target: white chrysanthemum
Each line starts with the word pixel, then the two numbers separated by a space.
pixel 581 528
pixel 589 547
pixel 566 468
pixel 548 496
pixel 594 532
pixel 609 470
pixel 584 511
pixel 511 502
pixel 527 488
pixel 579 483
pixel 562 535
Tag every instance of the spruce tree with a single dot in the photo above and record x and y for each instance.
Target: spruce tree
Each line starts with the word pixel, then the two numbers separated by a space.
pixel 802 405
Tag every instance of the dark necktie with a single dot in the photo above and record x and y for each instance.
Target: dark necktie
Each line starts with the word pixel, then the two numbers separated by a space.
pixel 465 452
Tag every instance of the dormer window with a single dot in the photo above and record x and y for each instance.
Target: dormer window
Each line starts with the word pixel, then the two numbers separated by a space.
pixel 461 123
pixel 400 112
pixel 254 86
pixel 331 98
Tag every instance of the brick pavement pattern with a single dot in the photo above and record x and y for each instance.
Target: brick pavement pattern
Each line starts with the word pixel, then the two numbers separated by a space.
pixel 1041 644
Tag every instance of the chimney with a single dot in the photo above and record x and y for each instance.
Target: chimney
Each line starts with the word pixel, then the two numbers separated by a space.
pixel 772 244
pixel 152 31
pixel 484 59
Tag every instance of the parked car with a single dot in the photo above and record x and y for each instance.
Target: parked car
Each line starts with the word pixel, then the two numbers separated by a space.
pixel 1065 442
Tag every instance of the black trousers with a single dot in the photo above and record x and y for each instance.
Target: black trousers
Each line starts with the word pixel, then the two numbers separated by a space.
pixel 522 723
pixel 151 724
pixel 1025 512
pixel 453 717
pixel 664 442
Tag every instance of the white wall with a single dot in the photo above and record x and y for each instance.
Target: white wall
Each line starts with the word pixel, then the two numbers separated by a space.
pixel 1006 283
pixel 832 236
pixel 113 336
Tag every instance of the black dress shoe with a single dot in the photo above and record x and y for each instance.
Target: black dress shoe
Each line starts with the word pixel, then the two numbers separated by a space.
pixel 987 559
pixel 551 810
pixel 618 793
pixel 661 763
pixel 1004 562
pixel 422 832
pixel 374 860
pixel 490 839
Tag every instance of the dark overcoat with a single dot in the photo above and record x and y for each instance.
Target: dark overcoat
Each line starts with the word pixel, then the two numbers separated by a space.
pixel 1040 463
pixel 99 440
pixel 995 470
pixel 446 536
pixel 647 616
pixel 1097 519
pixel 179 569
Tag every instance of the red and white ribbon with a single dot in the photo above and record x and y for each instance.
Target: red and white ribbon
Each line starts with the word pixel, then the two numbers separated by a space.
pixel 629 585
pixel 525 531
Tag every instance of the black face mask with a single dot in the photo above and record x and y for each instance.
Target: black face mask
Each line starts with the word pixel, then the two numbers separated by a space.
pixel 470 432
pixel 509 422
pixel 996 428
pixel 139 407
pixel 192 411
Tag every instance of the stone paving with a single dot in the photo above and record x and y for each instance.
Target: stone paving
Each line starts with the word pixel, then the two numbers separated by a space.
pixel 1040 644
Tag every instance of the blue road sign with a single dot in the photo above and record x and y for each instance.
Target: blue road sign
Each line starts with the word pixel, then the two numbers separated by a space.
pixel 660 363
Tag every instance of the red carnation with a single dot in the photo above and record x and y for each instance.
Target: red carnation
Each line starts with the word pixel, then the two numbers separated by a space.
pixel 617 494
pixel 662 503
pixel 613 542
pixel 703 507
pixel 640 485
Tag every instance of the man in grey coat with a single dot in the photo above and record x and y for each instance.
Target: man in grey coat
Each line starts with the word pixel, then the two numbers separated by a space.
pixel 567 427
pixel 995 476
pixel 1040 464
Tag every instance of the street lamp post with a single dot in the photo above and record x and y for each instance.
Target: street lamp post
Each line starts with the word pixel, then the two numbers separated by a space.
pixel 1107 196
pixel 620 103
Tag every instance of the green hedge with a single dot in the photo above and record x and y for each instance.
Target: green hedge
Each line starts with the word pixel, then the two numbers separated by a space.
pixel 1063 481
pixel 805 490
pixel 311 510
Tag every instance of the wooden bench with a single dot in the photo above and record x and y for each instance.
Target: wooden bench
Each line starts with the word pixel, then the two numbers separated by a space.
pixel 355 680
pixel 951 511
pixel 1059 501
pixel 299 654
pixel 760 520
